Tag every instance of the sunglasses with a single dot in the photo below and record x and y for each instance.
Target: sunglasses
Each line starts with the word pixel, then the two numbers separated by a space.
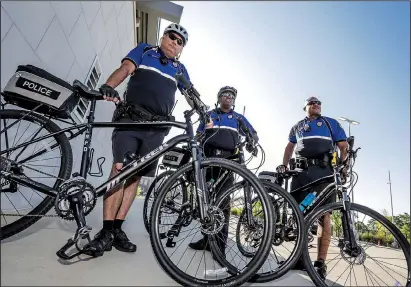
pixel 174 37
pixel 314 103
pixel 227 95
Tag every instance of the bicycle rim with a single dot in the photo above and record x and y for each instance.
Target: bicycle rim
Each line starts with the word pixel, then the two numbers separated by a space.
pixel 398 270
pixel 234 280
pixel 64 171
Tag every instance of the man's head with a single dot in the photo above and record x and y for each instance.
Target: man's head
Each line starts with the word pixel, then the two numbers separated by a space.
pixel 174 39
pixel 312 107
pixel 226 97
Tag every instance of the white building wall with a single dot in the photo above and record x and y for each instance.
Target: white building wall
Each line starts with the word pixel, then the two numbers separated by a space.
pixel 64 38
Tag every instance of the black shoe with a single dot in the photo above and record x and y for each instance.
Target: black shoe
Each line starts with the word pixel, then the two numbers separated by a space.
pixel 122 243
pixel 321 268
pixel 103 241
pixel 202 244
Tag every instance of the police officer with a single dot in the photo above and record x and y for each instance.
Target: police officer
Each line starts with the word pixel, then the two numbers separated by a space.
pixel 222 134
pixel 314 139
pixel 150 95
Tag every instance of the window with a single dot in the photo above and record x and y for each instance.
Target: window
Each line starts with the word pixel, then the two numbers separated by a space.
pixel 141 26
pixel 92 81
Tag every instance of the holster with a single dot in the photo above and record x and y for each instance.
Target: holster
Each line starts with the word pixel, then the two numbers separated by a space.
pixel 138 114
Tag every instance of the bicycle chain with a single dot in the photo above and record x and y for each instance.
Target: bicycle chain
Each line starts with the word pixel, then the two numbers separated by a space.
pixel 34 215
pixel 30 215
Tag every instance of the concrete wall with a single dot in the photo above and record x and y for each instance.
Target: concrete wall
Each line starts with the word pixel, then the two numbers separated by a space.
pixel 65 38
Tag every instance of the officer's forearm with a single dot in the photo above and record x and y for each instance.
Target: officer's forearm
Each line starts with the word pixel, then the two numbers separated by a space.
pixel 343 155
pixel 288 152
pixel 118 76
pixel 343 146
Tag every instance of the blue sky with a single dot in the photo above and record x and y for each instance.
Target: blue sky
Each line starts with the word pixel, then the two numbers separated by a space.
pixel 354 56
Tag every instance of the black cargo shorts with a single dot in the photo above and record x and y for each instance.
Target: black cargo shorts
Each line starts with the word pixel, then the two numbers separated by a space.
pixel 139 142
pixel 313 173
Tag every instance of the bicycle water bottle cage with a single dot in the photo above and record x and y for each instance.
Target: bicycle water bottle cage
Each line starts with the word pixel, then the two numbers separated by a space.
pixel 100 162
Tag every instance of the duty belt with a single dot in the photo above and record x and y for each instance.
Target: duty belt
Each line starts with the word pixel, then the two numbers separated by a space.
pixel 302 162
pixel 136 113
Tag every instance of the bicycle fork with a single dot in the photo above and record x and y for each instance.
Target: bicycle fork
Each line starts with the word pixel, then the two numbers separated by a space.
pixel 349 241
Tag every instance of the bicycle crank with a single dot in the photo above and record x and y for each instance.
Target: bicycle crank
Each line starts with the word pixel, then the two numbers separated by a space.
pixel 76 204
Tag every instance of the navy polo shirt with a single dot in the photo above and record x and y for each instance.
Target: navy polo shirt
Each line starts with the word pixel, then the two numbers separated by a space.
pixel 225 133
pixel 152 85
pixel 313 138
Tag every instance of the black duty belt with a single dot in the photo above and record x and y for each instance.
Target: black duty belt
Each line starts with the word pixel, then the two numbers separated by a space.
pixel 136 113
pixel 303 163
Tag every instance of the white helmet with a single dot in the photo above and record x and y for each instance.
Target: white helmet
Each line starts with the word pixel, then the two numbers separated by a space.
pixel 176 28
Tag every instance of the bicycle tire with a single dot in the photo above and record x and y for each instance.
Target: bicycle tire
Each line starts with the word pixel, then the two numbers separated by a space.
pixel 146 215
pixel 255 264
pixel 64 173
pixel 354 207
pixel 294 256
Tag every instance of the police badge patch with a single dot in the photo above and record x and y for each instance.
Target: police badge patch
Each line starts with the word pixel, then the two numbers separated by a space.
pixel 175 64
pixel 229 116
pixel 319 124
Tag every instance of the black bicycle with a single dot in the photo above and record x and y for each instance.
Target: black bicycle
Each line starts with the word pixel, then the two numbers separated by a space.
pixel 172 160
pixel 74 198
pixel 347 224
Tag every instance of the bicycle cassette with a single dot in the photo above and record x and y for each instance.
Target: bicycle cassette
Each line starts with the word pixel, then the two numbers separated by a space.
pixel 70 188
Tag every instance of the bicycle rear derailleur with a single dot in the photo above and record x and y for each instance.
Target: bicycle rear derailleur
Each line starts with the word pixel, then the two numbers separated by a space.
pixel 76 199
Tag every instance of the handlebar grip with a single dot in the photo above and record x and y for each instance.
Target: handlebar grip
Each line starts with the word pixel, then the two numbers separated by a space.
pixel 181 79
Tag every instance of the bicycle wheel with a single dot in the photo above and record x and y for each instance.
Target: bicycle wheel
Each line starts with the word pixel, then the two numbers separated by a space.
pixel 288 236
pixel 369 252
pixel 180 275
pixel 58 151
pixel 152 193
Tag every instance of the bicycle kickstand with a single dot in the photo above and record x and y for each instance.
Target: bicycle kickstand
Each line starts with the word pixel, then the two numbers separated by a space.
pixel 82 232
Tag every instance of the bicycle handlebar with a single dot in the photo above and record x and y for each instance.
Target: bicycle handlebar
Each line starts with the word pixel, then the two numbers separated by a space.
pixel 193 95
pixel 250 142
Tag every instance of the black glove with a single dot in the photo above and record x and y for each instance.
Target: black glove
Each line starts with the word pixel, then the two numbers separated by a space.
pixel 281 168
pixel 109 92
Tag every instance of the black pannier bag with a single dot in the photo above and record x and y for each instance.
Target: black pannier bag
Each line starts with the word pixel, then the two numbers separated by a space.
pixel 176 157
pixel 31 86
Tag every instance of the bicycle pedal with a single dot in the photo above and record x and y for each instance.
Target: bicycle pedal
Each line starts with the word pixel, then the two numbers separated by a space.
pixel 62 252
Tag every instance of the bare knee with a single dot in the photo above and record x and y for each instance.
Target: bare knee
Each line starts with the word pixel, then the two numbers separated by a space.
pixel 115 169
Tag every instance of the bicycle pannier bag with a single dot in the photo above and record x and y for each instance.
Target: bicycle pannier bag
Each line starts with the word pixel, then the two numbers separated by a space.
pixel 176 157
pixel 31 86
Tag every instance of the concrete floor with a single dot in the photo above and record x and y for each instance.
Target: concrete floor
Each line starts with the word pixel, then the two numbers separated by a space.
pixel 29 258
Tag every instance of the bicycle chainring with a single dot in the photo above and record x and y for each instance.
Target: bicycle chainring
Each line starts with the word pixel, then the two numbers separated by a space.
pixel 72 187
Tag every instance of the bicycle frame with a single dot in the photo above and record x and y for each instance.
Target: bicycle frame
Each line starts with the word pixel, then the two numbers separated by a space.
pixel 130 169
pixel 334 187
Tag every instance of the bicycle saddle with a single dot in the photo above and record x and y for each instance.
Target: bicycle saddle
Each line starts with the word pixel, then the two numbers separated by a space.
pixel 86 92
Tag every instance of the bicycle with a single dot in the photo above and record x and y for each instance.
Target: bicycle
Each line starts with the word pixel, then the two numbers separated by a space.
pixel 172 160
pixel 348 246
pixel 250 233
pixel 74 197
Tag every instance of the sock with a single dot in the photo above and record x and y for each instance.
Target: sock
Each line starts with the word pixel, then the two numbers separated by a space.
pixel 108 224
pixel 118 223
